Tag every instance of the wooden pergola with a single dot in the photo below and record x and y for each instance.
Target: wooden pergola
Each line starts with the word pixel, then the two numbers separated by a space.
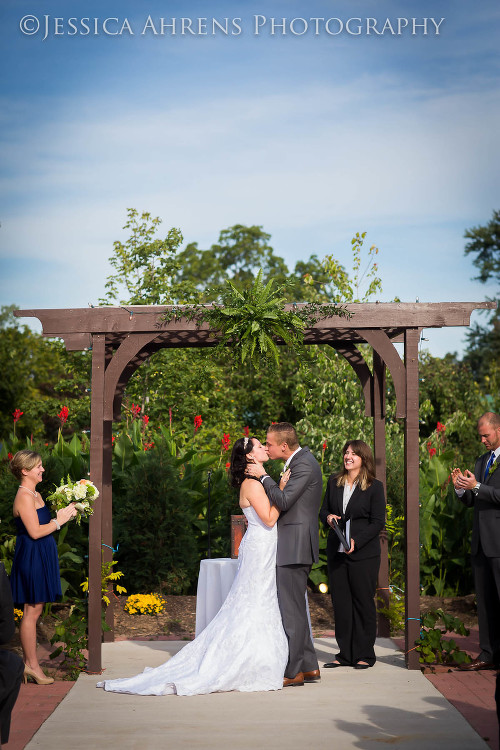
pixel 122 338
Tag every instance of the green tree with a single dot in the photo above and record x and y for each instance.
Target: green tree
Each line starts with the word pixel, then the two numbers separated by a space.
pixel 144 266
pixel 39 377
pixel 483 351
pixel 238 255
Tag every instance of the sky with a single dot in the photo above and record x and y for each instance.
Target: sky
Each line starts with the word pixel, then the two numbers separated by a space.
pixel 313 120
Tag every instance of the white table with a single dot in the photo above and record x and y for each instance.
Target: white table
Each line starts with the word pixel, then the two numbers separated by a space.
pixel 215 579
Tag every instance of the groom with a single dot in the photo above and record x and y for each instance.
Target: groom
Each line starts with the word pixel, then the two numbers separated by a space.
pixel 298 543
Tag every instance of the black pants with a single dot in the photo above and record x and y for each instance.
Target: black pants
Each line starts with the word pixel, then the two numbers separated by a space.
pixel 11 675
pixel 352 586
pixel 487 585
pixel 292 585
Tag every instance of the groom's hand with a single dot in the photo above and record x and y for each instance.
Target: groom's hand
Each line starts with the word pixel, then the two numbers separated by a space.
pixel 255 470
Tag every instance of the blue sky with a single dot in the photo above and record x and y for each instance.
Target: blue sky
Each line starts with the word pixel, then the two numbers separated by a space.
pixel 312 136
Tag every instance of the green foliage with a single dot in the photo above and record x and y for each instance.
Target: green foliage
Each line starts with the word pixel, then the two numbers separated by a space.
pixel 444 527
pixel 144 265
pixel 484 243
pixel 7 549
pixel 70 565
pixel 395 549
pixel 483 353
pixel 239 251
pixel 156 515
pixel 395 611
pixel 334 283
pixel 431 645
pixel 38 377
pixel 251 320
pixel 71 635
pixel 108 581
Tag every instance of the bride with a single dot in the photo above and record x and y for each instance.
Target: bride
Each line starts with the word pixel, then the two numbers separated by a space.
pixel 244 647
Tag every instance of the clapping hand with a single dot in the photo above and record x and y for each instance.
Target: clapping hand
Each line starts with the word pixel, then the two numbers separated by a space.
pixel 465 481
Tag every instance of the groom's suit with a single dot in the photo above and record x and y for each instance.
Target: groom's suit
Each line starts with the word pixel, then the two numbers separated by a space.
pixel 485 551
pixel 298 548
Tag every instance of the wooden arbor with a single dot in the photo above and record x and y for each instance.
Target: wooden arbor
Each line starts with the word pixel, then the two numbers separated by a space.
pixel 121 338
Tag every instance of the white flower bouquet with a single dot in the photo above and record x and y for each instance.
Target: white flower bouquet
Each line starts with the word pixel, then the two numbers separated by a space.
pixel 82 493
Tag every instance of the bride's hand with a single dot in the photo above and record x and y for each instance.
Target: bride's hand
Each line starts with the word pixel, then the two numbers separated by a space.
pixel 284 479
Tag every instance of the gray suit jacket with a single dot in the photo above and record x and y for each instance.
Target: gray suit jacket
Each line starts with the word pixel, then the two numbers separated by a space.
pixel 299 503
pixel 486 524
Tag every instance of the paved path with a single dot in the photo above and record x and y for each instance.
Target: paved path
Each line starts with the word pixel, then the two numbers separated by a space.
pixel 386 705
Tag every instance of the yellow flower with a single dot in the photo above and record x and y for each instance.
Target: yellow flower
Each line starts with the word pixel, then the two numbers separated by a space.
pixel 144 604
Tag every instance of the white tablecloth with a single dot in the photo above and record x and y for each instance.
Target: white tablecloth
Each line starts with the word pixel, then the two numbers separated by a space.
pixel 215 579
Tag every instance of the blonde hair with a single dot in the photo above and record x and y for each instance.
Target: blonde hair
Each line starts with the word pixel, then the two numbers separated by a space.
pixel 26 460
pixel 367 471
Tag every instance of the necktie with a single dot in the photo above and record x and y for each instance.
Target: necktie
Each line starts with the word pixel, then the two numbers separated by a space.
pixel 489 465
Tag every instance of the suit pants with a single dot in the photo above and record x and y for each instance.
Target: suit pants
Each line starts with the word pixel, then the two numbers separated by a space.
pixel 487 586
pixel 11 675
pixel 292 585
pixel 352 585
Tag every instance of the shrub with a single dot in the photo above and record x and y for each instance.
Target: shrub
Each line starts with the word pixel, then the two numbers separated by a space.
pixel 154 522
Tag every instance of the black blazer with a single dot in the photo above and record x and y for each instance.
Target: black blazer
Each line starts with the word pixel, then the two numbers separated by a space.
pixel 486 524
pixel 365 510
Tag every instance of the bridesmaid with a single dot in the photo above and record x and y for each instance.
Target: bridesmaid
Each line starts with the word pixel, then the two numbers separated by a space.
pixel 355 499
pixel 35 576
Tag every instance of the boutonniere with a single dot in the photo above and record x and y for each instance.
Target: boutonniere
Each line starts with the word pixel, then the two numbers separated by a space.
pixel 284 471
pixel 493 467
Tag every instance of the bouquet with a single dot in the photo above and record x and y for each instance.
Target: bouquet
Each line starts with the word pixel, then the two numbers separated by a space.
pixel 82 493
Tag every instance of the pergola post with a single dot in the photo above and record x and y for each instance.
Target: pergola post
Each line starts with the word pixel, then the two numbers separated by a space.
pixel 378 402
pixel 412 516
pixel 107 520
pixel 97 477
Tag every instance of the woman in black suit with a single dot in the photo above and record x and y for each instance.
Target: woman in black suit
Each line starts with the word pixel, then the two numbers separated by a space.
pixel 355 499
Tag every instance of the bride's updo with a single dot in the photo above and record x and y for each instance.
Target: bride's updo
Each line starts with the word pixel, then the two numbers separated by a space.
pixel 241 449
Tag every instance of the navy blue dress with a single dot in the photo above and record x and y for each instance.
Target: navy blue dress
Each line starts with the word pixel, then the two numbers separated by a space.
pixel 35 571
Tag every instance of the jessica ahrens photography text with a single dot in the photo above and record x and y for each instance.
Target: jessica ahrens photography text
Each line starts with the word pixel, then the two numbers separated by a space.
pixel 46 26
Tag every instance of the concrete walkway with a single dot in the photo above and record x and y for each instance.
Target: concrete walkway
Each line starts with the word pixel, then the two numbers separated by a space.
pixel 386 705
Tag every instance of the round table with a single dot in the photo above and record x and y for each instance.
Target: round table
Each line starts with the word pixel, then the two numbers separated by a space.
pixel 215 579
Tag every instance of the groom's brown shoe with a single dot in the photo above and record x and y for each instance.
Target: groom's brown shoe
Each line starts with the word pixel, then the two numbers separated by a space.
pixel 312 676
pixel 292 681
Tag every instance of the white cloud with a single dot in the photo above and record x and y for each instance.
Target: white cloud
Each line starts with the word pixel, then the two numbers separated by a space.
pixel 326 159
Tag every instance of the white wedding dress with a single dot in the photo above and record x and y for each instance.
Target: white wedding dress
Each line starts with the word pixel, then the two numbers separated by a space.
pixel 243 648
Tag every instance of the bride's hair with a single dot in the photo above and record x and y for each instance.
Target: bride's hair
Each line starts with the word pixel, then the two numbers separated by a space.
pixel 241 448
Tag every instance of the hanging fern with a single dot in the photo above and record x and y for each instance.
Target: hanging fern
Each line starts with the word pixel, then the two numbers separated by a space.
pixel 253 320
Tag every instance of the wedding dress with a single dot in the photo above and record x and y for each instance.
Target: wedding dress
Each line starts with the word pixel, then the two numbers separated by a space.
pixel 243 648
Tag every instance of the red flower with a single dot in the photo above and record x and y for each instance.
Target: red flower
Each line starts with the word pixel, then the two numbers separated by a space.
pixel 113 439
pixel 63 414
pixel 10 456
pixel 145 420
pixel 228 466
pixel 197 422
pixel 170 415
pixel 136 410
pixel 432 452
pixel 148 446
pixel 441 427
pixel 324 446
pixel 17 414
pixel 246 431
pixel 226 440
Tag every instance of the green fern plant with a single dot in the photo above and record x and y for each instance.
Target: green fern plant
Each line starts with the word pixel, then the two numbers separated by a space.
pixel 251 320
